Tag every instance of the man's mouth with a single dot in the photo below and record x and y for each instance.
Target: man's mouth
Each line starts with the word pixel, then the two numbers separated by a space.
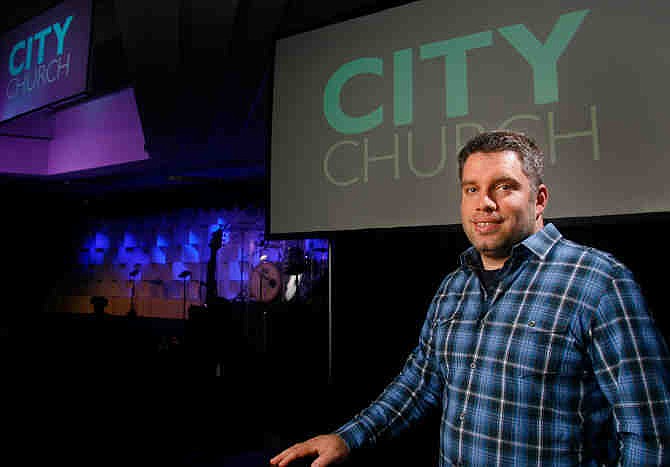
pixel 486 226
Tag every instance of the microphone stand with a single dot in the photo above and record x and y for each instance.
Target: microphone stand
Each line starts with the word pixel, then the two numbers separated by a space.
pixel 185 274
pixel 243 295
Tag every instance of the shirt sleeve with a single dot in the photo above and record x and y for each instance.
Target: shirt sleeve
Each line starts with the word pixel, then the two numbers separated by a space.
pixel 630 359
pixel 411 395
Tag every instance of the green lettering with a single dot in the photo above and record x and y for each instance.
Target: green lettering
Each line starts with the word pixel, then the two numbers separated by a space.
pixel 403 84
pixel 543 57
pixel 455 66
pixel 332 108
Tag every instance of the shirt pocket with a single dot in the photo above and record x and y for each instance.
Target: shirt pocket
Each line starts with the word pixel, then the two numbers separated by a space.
pixel 538 345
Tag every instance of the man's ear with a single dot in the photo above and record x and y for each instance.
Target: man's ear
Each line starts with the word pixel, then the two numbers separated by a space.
pixel 541 199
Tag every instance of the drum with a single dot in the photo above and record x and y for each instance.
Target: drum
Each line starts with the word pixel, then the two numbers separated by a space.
pixel 266 253
pixel 265 282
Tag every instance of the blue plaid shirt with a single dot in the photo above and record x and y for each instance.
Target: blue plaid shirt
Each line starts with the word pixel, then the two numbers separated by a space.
pixel 561 366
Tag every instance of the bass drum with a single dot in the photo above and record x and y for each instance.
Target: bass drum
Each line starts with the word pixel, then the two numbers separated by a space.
pixel 265 283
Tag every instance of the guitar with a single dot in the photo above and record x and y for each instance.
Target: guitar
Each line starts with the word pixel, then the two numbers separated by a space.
pixel 219 237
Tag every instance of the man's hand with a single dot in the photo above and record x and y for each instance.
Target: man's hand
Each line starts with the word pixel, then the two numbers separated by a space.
pixel 329 449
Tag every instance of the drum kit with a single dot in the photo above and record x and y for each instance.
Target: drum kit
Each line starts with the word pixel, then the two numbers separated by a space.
pixel 285 271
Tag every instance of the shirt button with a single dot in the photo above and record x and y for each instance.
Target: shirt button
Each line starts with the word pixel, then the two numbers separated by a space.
pixel 473 365
pixel 531 323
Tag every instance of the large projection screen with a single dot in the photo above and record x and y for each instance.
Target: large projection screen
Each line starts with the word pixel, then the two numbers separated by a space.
pixel 369 114
pixel 45 60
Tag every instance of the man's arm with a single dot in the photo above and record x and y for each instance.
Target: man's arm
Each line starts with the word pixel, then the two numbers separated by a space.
pixel 415 391
pixel 631 361
pixel 410 396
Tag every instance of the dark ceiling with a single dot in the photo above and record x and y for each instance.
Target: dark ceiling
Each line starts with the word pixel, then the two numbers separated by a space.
pixel 201 71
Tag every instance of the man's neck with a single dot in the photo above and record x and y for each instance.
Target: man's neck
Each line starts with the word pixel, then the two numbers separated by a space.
pixel 493 263
pixel 497 262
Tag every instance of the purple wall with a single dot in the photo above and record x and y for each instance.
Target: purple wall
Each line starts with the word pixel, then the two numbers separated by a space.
pixel 24 156
pixel 102 132
pixel 24 144
pixel 162 245
pixel 97 133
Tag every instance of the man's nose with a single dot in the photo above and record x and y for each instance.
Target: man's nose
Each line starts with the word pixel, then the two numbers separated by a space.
pixel 486 202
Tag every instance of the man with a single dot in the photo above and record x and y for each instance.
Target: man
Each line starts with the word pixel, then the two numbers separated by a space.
pixel 538 351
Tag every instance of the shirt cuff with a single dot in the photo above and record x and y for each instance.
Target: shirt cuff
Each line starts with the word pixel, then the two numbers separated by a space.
pixel 354 435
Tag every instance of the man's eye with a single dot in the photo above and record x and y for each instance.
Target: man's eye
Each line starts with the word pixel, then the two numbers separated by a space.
pixel 505 187
pixel 470 189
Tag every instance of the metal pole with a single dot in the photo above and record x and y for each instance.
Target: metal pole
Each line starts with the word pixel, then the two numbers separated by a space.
pixel 330 312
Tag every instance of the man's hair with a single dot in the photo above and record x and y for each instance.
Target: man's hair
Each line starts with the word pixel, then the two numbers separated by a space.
pixel 530 155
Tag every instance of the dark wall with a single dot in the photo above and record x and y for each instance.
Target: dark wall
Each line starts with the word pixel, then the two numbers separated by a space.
pixel 383 282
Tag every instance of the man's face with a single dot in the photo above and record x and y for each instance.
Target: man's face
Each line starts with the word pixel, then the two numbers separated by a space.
pixel 498 208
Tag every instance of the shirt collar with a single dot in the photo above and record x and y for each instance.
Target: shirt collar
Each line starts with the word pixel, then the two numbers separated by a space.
pixel 539 244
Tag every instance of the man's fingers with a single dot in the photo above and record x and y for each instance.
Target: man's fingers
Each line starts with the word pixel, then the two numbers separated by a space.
pixel 326 448
pixel 294 452
pixel 287 459
pixel 323 460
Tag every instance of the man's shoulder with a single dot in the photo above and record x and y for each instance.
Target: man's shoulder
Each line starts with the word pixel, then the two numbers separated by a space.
pixel 587 257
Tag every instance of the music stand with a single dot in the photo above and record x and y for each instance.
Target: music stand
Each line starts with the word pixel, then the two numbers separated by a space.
pixel 132 313
pixel 185 274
